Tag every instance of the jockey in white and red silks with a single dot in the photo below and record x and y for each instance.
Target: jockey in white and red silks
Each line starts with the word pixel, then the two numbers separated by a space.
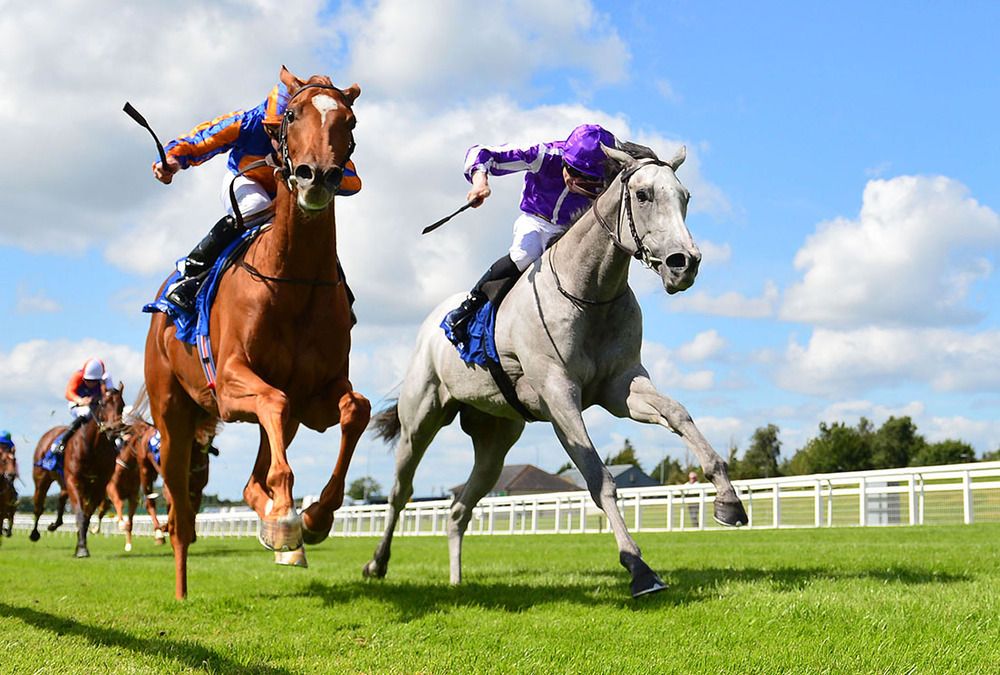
pixel 85 386
pixel 563 178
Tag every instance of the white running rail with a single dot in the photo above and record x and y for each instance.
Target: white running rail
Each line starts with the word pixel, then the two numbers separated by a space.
pixel 952 494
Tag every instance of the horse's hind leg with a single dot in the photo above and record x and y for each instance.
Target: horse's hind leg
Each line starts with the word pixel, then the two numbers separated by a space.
pixel 355 412
pixel 42 483
pixel 421 417
pixel 132 504
pixel 95 527
pixel 635 396
pixel 562 402
pixel 492 438
pixel 60 508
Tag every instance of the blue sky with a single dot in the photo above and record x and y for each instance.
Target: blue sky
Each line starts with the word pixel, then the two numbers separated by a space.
pixel 843 161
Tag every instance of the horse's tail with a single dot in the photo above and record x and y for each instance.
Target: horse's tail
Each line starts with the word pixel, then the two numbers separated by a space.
pixel 385 424
pixel 140 408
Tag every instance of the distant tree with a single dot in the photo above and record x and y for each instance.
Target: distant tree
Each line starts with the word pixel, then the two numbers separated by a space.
pixel 837 448
pixel 568 466
pixel 761 458
pixel 363 487
pixel 945 452
pixel 896 443
pixel 991 456
pixel 625 456
pixel 670 472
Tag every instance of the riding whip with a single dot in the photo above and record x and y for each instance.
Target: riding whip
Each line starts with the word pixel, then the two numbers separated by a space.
pixel 141 121
pixel 434 226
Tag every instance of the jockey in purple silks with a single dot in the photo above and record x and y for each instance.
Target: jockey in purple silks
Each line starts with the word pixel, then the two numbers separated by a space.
pixel 563 179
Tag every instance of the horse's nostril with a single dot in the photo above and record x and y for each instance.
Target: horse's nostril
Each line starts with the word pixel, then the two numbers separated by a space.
pixel 304 172
pixel 677 260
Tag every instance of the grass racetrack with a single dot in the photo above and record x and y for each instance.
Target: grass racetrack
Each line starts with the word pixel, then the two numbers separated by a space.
pixel 886 600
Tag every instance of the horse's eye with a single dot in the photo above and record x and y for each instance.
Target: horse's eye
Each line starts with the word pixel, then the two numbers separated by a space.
pixel 643 195
pixel 290 115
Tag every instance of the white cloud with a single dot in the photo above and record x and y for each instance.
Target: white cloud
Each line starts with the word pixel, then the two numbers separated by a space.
pixel 441 49
pixel 910 259
pixel 34 302
pixel 666 375
pixel 732 303
pixel 667 91
pixel 850 362
pixel 703 346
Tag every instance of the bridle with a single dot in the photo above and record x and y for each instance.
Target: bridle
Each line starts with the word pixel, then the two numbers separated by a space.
pixel 285 169
pixel 641 252
pixel 110 431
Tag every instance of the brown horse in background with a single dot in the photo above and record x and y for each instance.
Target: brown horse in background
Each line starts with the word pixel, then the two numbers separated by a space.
pixel 88 463
pixel 280 330
pixel 8 493
pixel 140 435
pixel 123 487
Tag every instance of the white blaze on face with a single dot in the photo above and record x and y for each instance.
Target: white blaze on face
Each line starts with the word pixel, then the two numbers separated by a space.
pixel 324 104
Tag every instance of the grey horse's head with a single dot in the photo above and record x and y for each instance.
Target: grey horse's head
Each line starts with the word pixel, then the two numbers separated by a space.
pixel 656 203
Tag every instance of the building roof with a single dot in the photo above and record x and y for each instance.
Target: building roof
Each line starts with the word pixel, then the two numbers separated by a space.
pixel 625 475
pixel 518 479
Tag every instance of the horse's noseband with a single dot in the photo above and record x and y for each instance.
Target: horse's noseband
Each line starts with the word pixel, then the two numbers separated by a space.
pixel 641 252
pixel 289 174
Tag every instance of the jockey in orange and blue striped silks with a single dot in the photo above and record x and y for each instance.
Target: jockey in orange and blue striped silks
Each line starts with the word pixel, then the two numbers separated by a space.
pixel 248 135
pixel 85 386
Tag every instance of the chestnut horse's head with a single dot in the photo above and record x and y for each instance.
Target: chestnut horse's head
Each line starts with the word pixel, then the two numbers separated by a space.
pixel 108 410
pixel 316 137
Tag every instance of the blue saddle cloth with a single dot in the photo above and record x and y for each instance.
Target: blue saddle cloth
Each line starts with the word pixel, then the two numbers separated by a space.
pixel 51 460
pixel 476 343
pixel 154 446
pixel 191 325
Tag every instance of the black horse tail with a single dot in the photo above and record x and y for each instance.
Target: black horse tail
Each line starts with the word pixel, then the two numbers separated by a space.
pixel 385 424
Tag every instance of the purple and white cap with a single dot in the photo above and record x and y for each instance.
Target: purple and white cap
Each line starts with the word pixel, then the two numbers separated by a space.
pixel 582 150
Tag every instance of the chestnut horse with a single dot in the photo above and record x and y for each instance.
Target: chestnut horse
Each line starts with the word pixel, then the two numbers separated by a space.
pixel 123 487
pixel 149 470
pixel 280 330
pixel 88 463
pixel 8 493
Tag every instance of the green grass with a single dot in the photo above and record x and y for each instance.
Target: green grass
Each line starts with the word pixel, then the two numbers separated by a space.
pixel 893 600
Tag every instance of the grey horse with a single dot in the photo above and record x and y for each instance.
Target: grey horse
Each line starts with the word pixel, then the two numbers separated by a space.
pixel 569 335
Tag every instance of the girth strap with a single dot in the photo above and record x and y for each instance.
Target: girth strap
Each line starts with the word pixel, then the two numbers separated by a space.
pixel 496 291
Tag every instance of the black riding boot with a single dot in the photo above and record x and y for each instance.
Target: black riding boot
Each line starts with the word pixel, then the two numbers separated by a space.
pixel 193 268
pixel 502 269
pixel 73 427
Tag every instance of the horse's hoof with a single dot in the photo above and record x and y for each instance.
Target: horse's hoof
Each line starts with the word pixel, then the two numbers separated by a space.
pixel 282 534
pixel 122 526
pixel 730 514
pixel 34 536
pixel 82 552
pixel 647 582
pixel 312 537
pixel 94 529
pixel 53 526
pixel 296 558
pixel 372 570
pixel 128 547
pixel 158 537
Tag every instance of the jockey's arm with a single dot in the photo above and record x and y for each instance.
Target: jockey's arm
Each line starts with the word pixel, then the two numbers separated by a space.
pixel 199 145
pixel 74 382
pixel 482 161
pixel 480 189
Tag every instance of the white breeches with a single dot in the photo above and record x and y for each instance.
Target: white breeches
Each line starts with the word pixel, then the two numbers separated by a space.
pixel 79 410
pixel 250 196
pixel 532 236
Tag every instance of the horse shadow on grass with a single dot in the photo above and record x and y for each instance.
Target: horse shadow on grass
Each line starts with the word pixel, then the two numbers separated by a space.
pixel 413 600
pixel 185 653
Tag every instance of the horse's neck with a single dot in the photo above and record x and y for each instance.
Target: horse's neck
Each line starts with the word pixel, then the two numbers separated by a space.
pixel 299 244
pixel 586 261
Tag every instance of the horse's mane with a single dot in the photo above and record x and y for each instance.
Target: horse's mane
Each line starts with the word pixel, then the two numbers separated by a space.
pixel 637 151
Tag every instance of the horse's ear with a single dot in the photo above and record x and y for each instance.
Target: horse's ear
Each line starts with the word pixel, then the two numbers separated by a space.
pixel 121 386
pixel 678 158
pixel 620 157
pixel 290 81
pixel 352 93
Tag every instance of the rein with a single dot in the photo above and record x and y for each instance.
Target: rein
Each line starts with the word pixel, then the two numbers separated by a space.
pixel 641 253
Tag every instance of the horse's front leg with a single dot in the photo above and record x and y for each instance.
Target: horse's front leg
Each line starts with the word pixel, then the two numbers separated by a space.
pixel 355 411
pixel 83 513
pixel 42 483
pixel 561 401
pixel 243 395
pixel 635 396
pixel 60 508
